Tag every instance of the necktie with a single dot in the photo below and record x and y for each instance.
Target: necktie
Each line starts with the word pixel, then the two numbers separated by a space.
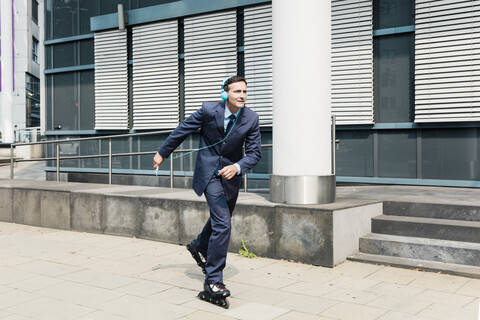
pixel 230 123
pixel 229 127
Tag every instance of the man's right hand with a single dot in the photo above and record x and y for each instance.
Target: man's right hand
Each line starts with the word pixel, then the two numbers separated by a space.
pixel 157 161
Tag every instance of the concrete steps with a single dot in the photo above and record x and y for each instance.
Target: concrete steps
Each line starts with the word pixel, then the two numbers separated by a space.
pixel 432 210
pixel 447 251
pixel 446 229
pixel 423 265
pixel 429 236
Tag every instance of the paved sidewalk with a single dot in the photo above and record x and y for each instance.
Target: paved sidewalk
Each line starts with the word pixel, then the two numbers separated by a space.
pixel 51 274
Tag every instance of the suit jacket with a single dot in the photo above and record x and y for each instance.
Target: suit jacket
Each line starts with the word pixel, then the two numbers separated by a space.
pixel 210 118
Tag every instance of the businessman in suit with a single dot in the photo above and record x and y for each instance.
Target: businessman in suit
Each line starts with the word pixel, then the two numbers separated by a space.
pixel 225 127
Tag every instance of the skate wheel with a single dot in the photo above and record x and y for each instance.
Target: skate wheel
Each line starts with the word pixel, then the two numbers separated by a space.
pixel 225 304
pixel 202 296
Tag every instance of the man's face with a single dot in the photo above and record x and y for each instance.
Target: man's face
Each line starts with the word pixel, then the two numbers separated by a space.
pixel 237 94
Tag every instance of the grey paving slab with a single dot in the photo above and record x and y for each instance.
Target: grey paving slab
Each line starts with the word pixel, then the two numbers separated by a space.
pixel 295 315
pixel 353 311
pixel 53 274
pixel 444 312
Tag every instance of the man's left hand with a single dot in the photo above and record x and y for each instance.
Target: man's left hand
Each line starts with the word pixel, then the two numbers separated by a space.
pixel 228 172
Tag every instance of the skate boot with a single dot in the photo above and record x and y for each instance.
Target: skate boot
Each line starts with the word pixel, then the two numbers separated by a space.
pixel 199 258
pixel 215 293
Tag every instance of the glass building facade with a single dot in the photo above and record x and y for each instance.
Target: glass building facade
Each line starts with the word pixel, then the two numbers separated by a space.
pixel 393 146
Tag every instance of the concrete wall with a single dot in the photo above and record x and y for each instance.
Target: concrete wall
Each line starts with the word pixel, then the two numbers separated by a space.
pixel 319 234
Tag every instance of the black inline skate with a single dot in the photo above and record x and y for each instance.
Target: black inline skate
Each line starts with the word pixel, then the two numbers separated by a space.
pixel 215 293
pixel 199 258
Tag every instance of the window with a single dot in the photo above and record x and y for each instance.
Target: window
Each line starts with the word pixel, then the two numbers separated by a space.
pixel 32 86
pixel 393 52
pixel 35 50
pixel 35 11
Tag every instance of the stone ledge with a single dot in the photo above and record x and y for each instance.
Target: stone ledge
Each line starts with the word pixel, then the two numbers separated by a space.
pixel 322 235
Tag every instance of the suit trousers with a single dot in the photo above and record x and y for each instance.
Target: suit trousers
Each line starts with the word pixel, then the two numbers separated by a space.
pixel 213 241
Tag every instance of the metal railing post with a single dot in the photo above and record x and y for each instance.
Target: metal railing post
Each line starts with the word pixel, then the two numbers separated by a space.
pixel 110 161
pixel 171 173
pixel 245 178
pixel 11 161
pixel 58 162
pixel 334 144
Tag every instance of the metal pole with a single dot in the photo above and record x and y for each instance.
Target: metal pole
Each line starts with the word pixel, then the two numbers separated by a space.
pixel 11 161
pixel 334 142
pixel 58 162
pixel 109 161
pixel 171 173
pixel 245 179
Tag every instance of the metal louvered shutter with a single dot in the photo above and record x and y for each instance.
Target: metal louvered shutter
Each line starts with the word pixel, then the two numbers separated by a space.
pixel 258 60
pixel 447 61
pixel 210 56
pixel 352 61
pixel 155 75
pixel 111 80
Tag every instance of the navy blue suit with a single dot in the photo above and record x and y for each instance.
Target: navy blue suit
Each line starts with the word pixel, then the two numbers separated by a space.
pixel 221 194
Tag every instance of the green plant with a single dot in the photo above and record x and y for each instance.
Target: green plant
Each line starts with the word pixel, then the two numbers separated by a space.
pixel 245 253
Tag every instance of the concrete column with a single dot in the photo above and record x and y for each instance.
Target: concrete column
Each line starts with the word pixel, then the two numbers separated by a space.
pixel 41 58
pixel 302 167
pixel 6 7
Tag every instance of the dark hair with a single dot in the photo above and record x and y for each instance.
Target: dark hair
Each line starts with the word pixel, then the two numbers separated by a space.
pixel 233 79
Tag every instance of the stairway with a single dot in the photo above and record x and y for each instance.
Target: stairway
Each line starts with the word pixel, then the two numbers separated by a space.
pixel 427 236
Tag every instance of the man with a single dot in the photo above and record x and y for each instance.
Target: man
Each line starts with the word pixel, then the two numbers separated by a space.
pixel 225 128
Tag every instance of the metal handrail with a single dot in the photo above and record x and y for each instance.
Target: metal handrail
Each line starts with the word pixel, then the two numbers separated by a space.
pixel 110 154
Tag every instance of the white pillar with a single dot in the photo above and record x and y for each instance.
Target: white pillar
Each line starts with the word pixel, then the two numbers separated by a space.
pixel 7 70
pixel 302 163
pixel 41 58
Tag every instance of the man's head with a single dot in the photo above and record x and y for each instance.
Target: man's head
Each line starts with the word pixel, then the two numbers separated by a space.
pixel 236 87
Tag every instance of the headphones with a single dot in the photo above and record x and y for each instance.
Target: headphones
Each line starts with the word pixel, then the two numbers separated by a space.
pixel 223 93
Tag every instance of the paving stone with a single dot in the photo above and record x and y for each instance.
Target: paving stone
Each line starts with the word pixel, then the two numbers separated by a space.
pixel 35 283
pixel 175 296
pixel 395 289
pixel 139 308
pixel 265 295
pixel 307 304
pixel 15 297
pixel 17 317
pixel 392 315
pixel 92 296
pixel 353 283
pixel 269 281
pixel 351 311
pixel 112 281
pixel 63 290
pixel 100 315
pixel 309 288
pixel 295 315
pixel 204 315
pixel 144 288
pixel 47 268
pixel 350 295
pixel 440 282
pixel 471 288
pixel 355 269
pixel 47 307
pixel 12 261
pixel 254 311
pixel 8 276
pixel 448 312
pixel 190 281
pixel 113 278
pixel 400 304
pixel 444 298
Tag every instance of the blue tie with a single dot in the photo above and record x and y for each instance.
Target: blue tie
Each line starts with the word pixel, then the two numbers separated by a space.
pixel 229 127
pixel 230 123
